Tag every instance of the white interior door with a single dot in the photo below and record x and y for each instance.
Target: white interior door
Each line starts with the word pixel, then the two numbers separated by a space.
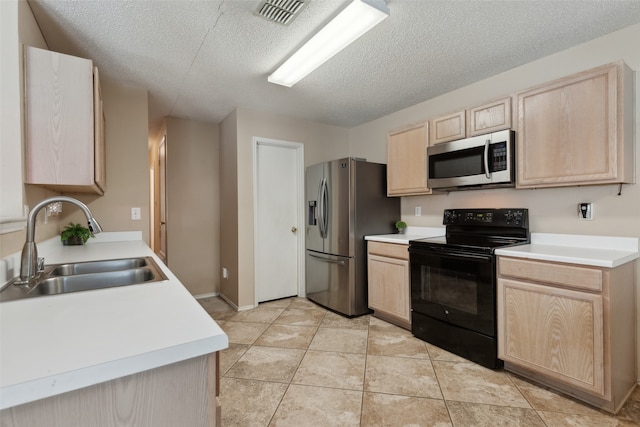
pixel 278 202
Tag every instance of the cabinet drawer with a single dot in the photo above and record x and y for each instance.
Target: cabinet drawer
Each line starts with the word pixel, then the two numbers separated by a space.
pixel 392 250
pixel 574 276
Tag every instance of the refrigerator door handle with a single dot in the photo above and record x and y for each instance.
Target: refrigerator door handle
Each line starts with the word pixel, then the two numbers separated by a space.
pixel 331 261
pixel 319 209
pixel 325 208
pixel 323 195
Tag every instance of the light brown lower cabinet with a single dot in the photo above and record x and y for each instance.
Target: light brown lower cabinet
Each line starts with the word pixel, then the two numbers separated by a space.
pixel 388 277
pixel 181 394
pixel 570 327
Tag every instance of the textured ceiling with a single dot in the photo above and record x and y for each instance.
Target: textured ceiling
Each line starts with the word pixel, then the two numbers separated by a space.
pixel 202 59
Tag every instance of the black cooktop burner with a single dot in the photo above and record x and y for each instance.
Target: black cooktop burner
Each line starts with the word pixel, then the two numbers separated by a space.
pixel 479 230
pixel 470 244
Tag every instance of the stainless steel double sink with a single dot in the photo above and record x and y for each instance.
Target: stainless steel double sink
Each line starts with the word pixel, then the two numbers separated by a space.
pixel 85 276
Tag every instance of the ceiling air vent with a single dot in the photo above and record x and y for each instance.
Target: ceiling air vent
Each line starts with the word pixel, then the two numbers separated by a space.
pixel 280 11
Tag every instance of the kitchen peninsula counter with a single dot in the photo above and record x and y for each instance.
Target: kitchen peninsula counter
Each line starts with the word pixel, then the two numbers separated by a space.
pixel 59 343
pixel 597 251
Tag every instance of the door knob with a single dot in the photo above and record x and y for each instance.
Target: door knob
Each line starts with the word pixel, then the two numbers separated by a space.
pixel 294 229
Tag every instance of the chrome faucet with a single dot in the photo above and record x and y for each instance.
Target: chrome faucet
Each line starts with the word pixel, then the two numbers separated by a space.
pixel 29 262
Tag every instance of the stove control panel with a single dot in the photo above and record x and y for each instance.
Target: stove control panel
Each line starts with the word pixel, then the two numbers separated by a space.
pixel 492 217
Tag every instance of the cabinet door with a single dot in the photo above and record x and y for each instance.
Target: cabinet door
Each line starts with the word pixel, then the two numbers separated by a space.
pixel 552 331
pixel 571 131
pixel 407 161
pixel 490 117
pixel 447 128
pixel 389 287
pixel 100 160
pixel 59 121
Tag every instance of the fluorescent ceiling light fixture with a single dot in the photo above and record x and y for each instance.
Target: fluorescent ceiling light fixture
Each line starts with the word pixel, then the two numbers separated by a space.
pixel 355 20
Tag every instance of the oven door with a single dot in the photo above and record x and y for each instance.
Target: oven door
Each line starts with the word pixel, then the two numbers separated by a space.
pixel 458 288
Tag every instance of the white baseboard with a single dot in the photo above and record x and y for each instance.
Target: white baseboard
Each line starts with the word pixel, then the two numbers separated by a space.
pixel 235 307
pixel 209 295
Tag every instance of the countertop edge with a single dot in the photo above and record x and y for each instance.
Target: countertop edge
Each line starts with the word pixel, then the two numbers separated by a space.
pixel 34 387
pixel 412 233
pixel 42 388
pixel 599 258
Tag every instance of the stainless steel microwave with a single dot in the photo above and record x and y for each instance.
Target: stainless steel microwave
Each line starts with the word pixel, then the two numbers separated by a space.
pixel 479 161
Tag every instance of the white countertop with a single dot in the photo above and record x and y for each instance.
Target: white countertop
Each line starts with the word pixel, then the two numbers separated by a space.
pixel 599 251
pixel 58 343
pixel 411 233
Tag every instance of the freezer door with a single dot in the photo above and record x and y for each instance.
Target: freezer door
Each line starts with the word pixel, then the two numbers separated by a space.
pixel 339 207
pixel 313 194
pixel 329 281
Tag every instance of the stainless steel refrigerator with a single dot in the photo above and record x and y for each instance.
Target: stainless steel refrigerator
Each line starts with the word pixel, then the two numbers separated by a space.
pixel 346 200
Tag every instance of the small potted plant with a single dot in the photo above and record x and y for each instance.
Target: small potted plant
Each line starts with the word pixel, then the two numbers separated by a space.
pixel 401 226
pixel 75 234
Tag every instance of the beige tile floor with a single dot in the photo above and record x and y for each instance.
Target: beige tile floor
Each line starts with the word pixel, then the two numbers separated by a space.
pixel 292 363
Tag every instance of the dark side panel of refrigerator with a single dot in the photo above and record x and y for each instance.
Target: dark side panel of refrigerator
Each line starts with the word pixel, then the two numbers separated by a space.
pixel 345 201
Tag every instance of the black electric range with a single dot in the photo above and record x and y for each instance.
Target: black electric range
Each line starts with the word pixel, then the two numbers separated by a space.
pixel 453 280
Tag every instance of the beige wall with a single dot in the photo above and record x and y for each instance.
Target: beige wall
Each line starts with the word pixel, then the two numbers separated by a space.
pixel 126 141
pixel 551 210
pixel 229 287
pixel 321 142
pixel 193 208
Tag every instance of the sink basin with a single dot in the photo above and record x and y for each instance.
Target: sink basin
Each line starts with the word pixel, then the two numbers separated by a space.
pixel 86 276
pixel 87 282
pixel 97 266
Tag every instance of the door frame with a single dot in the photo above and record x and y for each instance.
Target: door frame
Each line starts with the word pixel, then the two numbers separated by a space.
pixel 299 150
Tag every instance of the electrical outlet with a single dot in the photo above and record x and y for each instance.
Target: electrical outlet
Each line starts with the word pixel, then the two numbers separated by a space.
pixel 225 273
pixel 585 211
pixel 418 211
pixel 136 214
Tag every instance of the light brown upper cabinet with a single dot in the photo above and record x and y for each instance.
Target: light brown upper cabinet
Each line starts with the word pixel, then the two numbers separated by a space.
pixel 64 123
pixel 577 130
pixel 447 128
pixel 490 117
pixel 407 161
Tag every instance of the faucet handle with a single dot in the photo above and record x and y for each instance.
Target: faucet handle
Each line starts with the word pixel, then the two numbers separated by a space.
pixel 40 264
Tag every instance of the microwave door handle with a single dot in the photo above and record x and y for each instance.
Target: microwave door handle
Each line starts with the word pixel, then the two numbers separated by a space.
pixel 487 173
